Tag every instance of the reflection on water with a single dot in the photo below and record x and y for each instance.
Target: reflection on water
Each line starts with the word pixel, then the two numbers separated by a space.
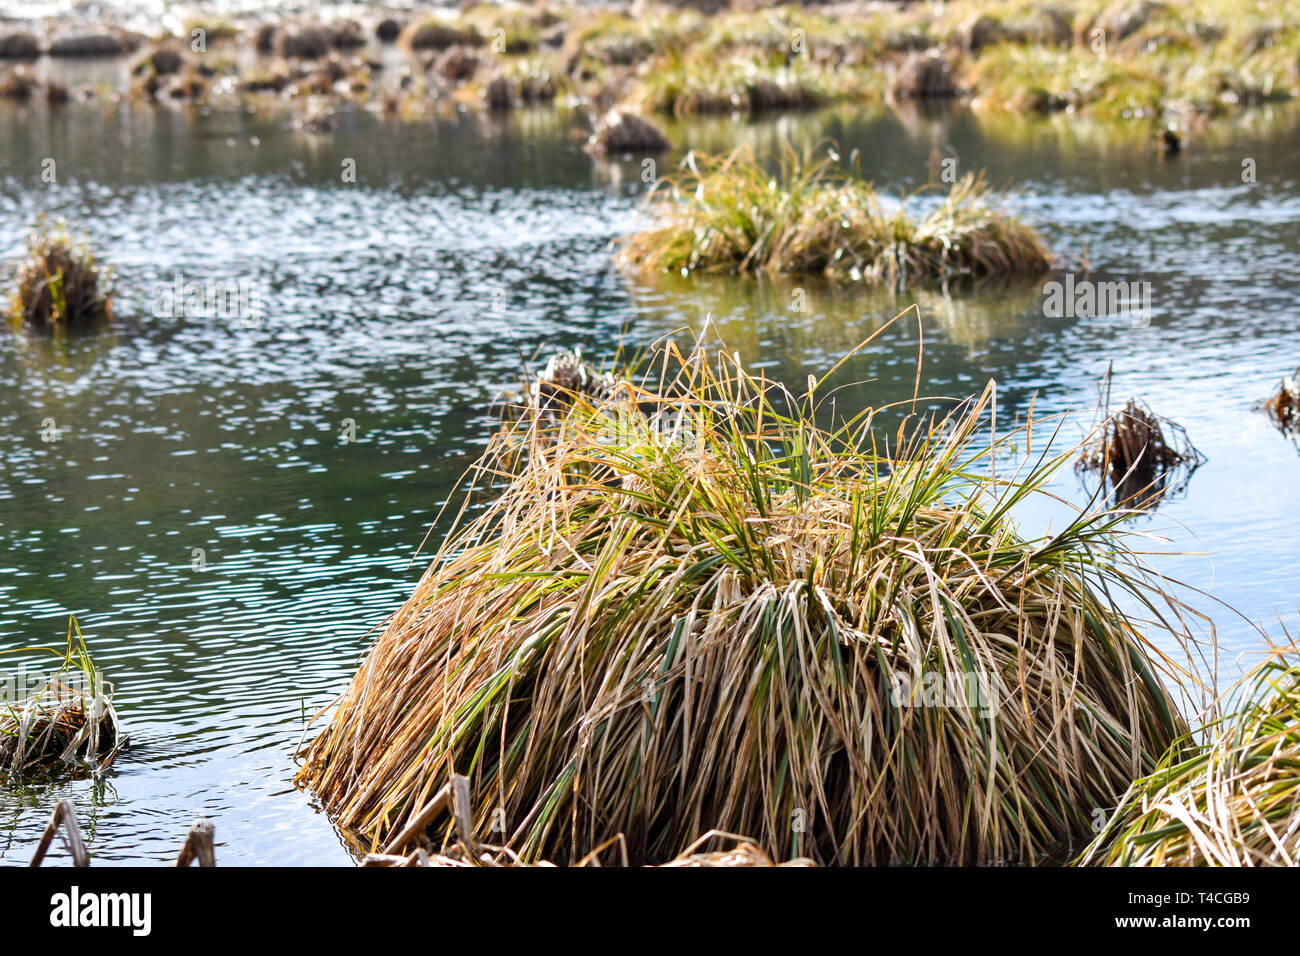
pixel 403 302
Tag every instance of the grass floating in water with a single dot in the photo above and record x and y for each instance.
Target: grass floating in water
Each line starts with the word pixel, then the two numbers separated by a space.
pixel 59 285
pixel 1234 801
pixel 730 214
pixel 1140 456
pixel 68 724
pixel 621 132
pixel 723 617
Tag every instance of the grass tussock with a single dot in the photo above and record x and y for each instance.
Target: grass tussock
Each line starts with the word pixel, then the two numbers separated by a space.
pixel 60 285
pixel 67 724
pixel 698 84
pixel 621 132
pixel 731 214
pixel 692 609
pixel 1234 801
pixel 440 33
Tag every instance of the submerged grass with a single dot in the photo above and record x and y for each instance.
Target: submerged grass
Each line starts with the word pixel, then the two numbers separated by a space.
pixel 66 724
pixel 730 214
pixel 689 608
pixel 1234 801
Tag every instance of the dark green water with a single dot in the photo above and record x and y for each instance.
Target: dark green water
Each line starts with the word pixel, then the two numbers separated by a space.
pixel 403 301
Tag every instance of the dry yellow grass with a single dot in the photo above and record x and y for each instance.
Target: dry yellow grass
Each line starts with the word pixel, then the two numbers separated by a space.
pixel 700 611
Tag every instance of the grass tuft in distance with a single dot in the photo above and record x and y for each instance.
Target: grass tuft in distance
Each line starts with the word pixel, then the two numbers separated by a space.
pixel 689 608
pixel 731 214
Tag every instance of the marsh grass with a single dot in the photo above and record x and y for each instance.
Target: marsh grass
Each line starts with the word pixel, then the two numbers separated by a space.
pixel 60 285
pixel 1033 79
pixel 1017 55
pixel 440 33
pixel 690 608
pixel 731 214
pixel 699 84
pixel 68 724
pixel 1232 801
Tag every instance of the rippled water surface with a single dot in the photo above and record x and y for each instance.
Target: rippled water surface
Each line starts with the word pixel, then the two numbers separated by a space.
pixel 403 303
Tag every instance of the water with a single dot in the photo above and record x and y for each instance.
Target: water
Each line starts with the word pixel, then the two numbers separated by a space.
pixel 403 302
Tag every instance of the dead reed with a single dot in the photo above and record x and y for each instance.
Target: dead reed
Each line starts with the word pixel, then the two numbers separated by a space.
pixel 1140 456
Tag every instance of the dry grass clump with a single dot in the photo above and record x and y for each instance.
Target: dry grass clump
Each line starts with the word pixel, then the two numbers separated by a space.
pixel 18 45
pixel 730 214
pixel 1283 406
pixel 620 132
pixel 1234 801
pixel 93 43
pixel 693 609
pixel 19 83
pixel 310 41
pixel 1140 456
pixel 456 64
pixel 695 85
pixel 923 76
pixel 439 33
pixel 525 81
pixel 162 60
pixel 59 283
pixel 67 724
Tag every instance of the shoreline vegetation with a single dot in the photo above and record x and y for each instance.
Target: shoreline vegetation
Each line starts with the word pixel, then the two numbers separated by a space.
pixel 684 606
pixel 731 214
pixel 1162 62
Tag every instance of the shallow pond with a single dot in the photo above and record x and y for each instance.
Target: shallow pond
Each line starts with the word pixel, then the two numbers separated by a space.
pixel 403 301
